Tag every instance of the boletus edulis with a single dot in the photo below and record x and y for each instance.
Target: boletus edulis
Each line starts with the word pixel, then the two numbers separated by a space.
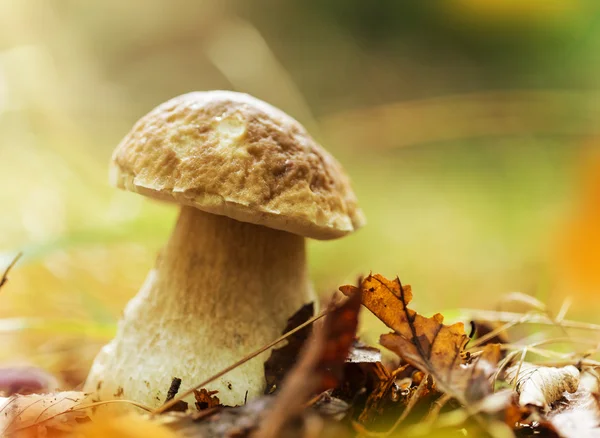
pixel 251 184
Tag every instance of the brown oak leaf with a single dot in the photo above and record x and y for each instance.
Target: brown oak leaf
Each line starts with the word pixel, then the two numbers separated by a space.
pixel 426 343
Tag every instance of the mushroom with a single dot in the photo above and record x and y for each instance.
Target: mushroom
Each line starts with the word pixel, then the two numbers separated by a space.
pixel 252 184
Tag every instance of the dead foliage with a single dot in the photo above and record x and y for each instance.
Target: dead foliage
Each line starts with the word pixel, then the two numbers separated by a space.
pixel 324 382
pixel 283 358
pixel 206 399
pixel 427 344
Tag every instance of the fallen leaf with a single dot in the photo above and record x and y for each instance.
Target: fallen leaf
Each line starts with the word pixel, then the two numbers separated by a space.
pixel 320 367
pixel 206 399
pixel 425 343
pixel 383 386
pixel 578 415
pixel 362 373
pixel 541 386
pixel 241 422
pixel 40 412
pixel 237 421
pixel 283 359
pixel 331 407
pixel 475 380
pixel 516 416
pixel 339 334
pixel 363 354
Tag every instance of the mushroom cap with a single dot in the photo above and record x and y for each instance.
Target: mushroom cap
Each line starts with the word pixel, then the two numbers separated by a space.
pixel 231 154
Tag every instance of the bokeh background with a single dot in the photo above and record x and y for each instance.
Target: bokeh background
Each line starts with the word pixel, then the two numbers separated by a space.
pixel 469 127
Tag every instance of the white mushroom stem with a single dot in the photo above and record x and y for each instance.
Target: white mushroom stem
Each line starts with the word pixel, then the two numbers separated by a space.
pixel 220 290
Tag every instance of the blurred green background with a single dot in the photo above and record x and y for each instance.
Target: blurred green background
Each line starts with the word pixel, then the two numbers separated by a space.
pixel 468 128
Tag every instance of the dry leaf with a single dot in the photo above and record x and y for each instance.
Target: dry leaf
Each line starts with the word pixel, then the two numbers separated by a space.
pixel 40 411
pixel 579 414
pixel 541 386
pixel 360 373
pixel 241 421
pixel 320 367
pixel 384 384
pixel 331 407
pixel 237 421
pixel 206 399
pixel 363 354
pixel 425 343
pixel 283 359
pixel 474 381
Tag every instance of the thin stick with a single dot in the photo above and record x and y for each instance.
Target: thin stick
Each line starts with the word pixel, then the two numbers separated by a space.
pixel 233 366
pixel 495 332
pixel 531 318
pixel 519 368
pixel 437 406
pixel 574 361
pixel 566 305
pixel 561 339
pixel 173 389
pixel 503 364
pixel 4 278
pixel 409 407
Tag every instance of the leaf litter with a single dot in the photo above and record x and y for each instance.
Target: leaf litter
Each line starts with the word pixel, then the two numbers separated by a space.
pixel 324 382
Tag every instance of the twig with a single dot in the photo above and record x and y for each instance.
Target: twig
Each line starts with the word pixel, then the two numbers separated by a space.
pixel 531 318
pixel 409 407
pixel 574 361
pixel 434 412
pixel 523 354
pixel 495 332
pixel 503 364
pixel 562 339
pixel 233 366
pixel 566 305
pixel 4 278
pixel 317 398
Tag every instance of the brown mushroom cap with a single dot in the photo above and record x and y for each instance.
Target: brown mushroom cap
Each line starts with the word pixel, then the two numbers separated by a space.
pixel 231 154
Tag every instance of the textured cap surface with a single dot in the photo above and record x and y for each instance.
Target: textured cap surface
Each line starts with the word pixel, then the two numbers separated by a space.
pixel 231 154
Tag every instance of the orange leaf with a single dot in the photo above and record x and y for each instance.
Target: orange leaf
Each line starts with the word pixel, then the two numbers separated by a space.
pixel 425 343
pixel 206 399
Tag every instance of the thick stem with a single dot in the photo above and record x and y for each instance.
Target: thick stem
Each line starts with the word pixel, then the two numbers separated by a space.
pixel 220 289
